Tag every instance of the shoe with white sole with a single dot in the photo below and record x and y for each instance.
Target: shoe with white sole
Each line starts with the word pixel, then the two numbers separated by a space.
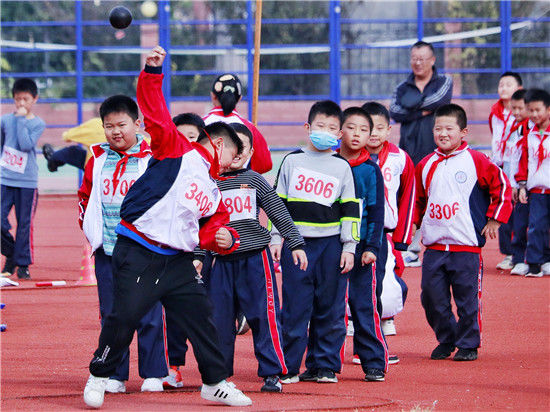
pixel 535 271
pixel 546 269
pixel 94 392
pixel 411 259
pixel 152 385
pixel 225 392
pixel 393 359
pixel 174 379
pixel 356 360
pixel 289 378
pixel 520 269
pixel 388 327
pixel 115 386
pixel 506 263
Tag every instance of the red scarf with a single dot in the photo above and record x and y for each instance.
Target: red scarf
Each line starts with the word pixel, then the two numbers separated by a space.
pixel 362 158
pixel 542 137
pixel 120 167
pixel 442 157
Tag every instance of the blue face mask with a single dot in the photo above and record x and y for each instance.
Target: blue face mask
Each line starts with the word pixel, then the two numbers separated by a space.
pixel 322 140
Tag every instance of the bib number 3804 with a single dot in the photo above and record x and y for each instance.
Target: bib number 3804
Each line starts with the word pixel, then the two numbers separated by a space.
pixel 445 211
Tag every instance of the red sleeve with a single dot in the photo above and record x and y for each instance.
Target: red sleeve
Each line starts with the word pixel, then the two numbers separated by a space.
pixel 261 159
pixel 405 205
pixel 521 175
pixel 492 178
pixel 209 226
pixel 166 141
pixel 85 190
pixel 421 197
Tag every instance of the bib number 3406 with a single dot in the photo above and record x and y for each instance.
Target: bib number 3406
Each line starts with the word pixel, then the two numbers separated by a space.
pixel 445 211
pixel 203 203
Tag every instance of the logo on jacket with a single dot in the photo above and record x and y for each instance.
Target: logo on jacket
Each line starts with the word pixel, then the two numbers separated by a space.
pixel 460 176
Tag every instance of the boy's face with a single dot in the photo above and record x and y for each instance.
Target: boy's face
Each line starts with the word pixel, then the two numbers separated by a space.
pixel 507 85
pixel 190 131
pixel 380 132
pixel 330 124
pixel 24 100
pixel 519 109
pixel 120 131
pixel 355 132
pixel 447 134
pixel 240 160
pixel 538 112
pixel 226 153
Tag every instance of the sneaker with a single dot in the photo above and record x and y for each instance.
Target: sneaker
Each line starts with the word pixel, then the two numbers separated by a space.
pixel 356 360
pixel 411 259
pixel 388 327
pixel 520 269
pixel 465 355
pixel 242 325
pixel 9 268
pixel 310 375
pixel 174 379
pixel 351 330
pixel 47 151
pixel 546 269
pixel 225 392
pixel 506 263
pixel 325 376
pixel 289 378
pixel 375 375
pixel 393 359
pixel 152 385
pixel 23 273
pixel 115 386
pixel 442 351
pixel 535 271
pixel 94 392
pixel 272 384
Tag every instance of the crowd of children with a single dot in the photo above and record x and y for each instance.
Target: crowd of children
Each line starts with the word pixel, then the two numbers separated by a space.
pixel 175 226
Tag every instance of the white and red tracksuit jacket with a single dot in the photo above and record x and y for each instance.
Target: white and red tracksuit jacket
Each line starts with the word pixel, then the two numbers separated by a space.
pixel 398 172
pixel 455 196
pixel 260 161
pixel 534 164
pixel 501 121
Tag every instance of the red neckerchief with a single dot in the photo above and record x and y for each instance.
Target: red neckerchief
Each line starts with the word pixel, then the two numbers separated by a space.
pixel 525 128
pixel 442 157
pixel 362 158
pixel 120 167
pixel 542 137
pixel 502 138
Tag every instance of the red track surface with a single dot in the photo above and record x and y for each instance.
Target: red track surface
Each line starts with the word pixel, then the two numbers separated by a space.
pixel 53 331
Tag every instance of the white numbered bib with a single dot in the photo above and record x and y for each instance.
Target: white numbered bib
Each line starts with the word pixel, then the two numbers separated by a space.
pixel 313 186
pixel 240 203
pixel 14 160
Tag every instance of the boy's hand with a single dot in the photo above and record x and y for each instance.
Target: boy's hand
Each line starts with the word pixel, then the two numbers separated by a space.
pixel 299 256
pixel 491 229
pixel 224 240
pixel 21 111
pixel 275 252
pixel 523 195
pixel 413 229
pixel 198 265
pixel 367 258
pixel 515 195
pixel 346 262
pixel 156 57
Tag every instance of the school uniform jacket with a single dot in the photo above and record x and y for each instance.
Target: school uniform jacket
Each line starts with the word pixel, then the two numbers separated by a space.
pixel 261 158
pixel 501 121
pixel 456 195
pixel 175 202
pixel 534 164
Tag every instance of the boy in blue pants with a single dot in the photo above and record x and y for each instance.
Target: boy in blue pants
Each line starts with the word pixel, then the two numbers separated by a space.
pixel 318 189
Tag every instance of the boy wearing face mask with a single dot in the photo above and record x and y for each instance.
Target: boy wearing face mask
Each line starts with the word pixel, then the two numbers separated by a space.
pixel 318 189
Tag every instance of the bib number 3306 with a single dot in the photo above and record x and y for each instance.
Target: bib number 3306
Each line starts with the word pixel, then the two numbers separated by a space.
pixel 445 211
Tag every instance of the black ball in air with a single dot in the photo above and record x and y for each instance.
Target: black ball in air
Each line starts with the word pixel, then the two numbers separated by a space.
pixel 120 17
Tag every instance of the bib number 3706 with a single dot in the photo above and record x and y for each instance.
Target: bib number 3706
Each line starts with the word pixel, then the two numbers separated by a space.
pixel 445 211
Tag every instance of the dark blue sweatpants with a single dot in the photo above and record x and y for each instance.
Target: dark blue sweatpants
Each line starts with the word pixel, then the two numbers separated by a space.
pixel 538 249
pixel 520 222
pixel 20 249
pixel 365 289
pixel 73 155
pixel 462 272
pixel 248 284
pixel 316 296
pixel 150 332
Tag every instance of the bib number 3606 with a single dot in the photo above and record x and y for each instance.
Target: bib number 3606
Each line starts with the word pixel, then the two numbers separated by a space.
pixel 313 186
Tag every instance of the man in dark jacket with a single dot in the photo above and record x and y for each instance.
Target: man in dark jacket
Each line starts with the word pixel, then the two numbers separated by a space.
pixel 416 99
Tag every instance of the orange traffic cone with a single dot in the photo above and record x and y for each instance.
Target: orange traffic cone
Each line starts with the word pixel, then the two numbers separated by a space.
pixel 87 270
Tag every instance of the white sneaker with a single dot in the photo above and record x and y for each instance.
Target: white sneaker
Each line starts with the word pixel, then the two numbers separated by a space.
pixel 411 259
pixel 152 385
pixel 506 263
pixel 94 392
pixel 388 327
pixel 351 329
pixel 356 360
pixel 520 269
pixel 114 386
pixel 546 269
pixel 288 379
pixel 225 392
pixel 174 379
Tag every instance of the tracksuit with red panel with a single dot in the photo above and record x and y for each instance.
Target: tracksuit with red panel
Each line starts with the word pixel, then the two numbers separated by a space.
pixel 456 195
pixel 164 214
pixel 534 172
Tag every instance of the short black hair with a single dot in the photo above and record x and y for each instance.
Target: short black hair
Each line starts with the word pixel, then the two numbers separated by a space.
pixel 223 130
pixel 119 103
pixel 538 95
pixel 376 109
pixel 326 107
pixel 25 85
pixel 453 110
pixel 242 129
pixel 519 94
pixel 421 43
pixel 192 119
pixel 359 111
pixel 514 75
